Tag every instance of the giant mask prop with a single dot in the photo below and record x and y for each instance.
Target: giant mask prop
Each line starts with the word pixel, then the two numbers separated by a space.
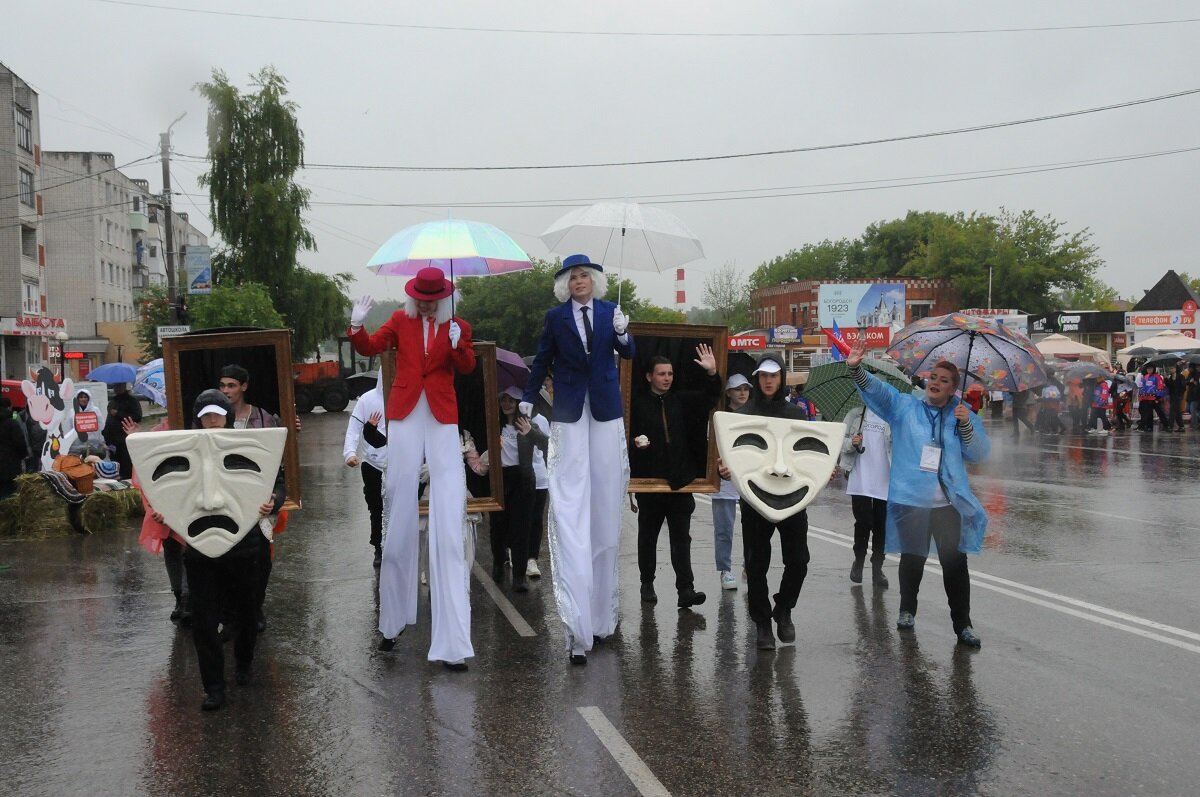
pixel 208 483
pixel 778 465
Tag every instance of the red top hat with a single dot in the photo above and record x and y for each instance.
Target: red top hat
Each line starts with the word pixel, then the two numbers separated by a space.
pixel 429 285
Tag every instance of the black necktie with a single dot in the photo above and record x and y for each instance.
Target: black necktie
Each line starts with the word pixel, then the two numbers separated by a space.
pixel 587 328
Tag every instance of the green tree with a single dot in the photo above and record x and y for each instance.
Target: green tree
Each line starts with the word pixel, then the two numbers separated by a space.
pixel 826 261
pixel 246 305
pixel 509 308
pixel 255 147
pixel 154 311
pixel 1094 295
pixel 727 292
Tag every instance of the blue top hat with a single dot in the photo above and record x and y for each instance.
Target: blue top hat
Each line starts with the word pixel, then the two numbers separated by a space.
pixel 574 261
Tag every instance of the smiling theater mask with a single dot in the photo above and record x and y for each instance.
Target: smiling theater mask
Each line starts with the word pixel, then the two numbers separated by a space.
pixel 208 483
pixel 778 465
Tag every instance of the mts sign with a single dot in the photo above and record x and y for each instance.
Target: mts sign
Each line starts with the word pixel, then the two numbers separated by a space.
pixel 747 342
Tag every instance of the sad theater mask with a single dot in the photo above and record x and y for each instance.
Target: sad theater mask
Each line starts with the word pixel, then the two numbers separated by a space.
pixel 778 465
pixel 209 483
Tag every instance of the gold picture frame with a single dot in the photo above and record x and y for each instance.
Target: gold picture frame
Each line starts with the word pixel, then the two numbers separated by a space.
pixel 192 363
pixel 678 343
pixel 478 413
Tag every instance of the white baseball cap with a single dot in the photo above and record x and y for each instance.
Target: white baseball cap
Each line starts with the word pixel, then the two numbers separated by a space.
pixel 211 409
pixel 736 380
pixel 768 366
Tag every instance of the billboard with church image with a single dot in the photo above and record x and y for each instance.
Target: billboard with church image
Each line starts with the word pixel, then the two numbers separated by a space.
pixel 877 309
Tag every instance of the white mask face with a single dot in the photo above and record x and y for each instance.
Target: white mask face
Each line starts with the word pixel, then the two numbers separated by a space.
pixel 778 465
pixel 208 483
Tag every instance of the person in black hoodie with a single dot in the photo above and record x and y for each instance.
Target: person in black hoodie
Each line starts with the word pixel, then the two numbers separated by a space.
pixel 512 528
pixel 769 399
pixel 663 424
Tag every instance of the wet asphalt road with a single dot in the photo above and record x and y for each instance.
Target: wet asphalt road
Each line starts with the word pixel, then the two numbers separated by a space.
pixel 1085 598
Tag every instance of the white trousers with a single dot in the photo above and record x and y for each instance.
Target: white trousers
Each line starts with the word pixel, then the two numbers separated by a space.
pixel 588 471
pixel 416 439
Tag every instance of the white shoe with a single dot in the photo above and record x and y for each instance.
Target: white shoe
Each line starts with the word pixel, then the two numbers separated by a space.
pixel 531 569
pixel 727 580
pixel 424 577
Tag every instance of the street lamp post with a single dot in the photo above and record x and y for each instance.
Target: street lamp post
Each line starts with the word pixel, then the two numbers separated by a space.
pixel 62 338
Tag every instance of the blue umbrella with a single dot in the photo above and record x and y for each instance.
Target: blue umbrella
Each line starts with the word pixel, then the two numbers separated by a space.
pixel 114 373
pixel 151 383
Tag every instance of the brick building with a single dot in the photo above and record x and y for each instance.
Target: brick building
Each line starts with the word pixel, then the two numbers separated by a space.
pixel 794 303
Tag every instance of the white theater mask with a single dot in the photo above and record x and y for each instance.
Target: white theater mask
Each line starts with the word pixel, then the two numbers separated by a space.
pixel 777 464
pixel 208 483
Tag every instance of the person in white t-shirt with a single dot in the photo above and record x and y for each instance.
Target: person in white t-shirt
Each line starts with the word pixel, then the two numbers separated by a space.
pixel 867 460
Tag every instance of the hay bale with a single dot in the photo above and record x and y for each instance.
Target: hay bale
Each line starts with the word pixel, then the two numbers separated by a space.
pixel 40 513
pixel 103 511
pixel 8 516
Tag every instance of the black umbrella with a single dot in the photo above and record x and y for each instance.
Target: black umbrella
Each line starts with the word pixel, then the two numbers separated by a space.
pixel 1163 360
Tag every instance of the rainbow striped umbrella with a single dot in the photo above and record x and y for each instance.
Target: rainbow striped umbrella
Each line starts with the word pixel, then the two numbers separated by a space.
pixel 459 248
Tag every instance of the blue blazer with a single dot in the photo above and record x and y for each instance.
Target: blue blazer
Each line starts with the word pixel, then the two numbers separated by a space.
pixel 576 375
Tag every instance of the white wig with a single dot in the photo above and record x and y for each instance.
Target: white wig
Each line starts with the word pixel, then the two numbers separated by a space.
pixel 599 284
pixel 445 308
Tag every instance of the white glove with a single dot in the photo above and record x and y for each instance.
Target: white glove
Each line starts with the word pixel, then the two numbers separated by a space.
pixel 359 314
pixel 641 441
pixel 620 322
pixel 455 334
pixel 525 408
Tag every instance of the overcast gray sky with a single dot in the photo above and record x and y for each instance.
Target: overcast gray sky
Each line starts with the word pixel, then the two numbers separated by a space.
pixel 112 75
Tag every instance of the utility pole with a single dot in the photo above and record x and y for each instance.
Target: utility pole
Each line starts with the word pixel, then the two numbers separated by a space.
pixel 165 143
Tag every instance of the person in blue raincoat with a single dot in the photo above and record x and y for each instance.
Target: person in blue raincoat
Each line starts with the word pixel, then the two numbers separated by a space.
pixel 933 439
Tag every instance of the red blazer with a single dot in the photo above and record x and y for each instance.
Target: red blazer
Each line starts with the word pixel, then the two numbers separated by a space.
pixel 416 371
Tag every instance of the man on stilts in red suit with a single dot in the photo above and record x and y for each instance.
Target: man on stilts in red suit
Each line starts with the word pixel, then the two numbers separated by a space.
pixel 422 426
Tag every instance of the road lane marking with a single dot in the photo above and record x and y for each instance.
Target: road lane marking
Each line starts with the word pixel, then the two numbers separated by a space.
pixel 1007 587
pixel 629 761
pixel 507 609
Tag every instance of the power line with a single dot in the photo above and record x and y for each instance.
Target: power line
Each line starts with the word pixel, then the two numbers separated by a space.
pixel 734 194
pixel 46 188
pixel 759 154
pixel 650 34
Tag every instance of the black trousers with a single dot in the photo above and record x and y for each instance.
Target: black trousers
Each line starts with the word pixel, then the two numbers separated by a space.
pixel 173 559
pixel 509 528
pixel 1101 414
pixel 870 522
pixel 1176 412
pixel 373 493
pixel 1148 408
pixel 539 522
pixel 756 553
pixel 233 579
pixel 945 527
pixel 676 509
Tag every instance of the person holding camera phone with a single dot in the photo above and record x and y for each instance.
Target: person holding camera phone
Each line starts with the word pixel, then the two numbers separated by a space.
pixel 867 462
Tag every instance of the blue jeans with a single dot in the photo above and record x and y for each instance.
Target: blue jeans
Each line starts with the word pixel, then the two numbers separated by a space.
pixel 723 511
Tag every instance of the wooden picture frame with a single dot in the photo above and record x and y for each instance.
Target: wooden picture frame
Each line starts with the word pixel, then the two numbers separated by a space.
pixel 678 343
pixel 192 363
pixel 479 414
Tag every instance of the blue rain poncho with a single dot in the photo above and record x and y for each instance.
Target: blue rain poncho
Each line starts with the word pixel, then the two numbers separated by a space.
pixel 912 492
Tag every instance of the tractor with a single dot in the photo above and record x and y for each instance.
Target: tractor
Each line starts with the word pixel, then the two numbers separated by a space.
pixel 331 384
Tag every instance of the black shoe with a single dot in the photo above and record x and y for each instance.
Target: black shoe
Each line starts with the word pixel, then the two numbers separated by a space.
pixel 690 597
pixel 578 659
pixel 786 629
pixel 185 611
pixel 177 612
pixel 856 571
pixel 387 643
pixel 455 666
pixel 968 637
pixel 498 573
pixel 520 583
pixel 242 676
pixel 648 594
pixel 378 555
pixel 214 699
pixel 765 640
pixel 877 576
